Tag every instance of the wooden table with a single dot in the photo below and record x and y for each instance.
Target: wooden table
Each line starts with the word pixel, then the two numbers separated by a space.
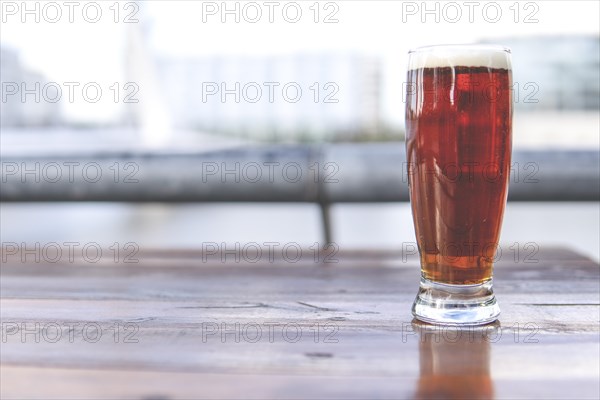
pixel 175 325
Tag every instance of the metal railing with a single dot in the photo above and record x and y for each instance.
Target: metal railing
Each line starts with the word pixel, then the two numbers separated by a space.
pixel 326 174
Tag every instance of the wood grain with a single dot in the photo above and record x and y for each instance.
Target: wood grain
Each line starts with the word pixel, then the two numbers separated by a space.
pixel 177 325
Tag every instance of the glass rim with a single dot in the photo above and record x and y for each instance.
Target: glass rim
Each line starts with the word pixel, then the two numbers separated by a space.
pixel 446 47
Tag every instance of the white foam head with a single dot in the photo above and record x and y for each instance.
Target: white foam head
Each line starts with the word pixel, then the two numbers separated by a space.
pixel 460 55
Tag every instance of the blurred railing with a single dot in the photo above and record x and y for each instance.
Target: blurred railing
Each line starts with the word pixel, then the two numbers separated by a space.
pixel 319 174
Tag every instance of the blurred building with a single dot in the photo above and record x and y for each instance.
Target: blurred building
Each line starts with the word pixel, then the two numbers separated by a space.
pixel 556 72
pixel 312 96
pixel 556 91
pixel 34 109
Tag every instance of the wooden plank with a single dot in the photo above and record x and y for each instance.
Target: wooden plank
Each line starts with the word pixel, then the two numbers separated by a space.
pixel 173 327
pixel 127 384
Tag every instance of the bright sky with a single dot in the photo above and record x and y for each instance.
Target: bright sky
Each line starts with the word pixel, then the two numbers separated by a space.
pixel 84 51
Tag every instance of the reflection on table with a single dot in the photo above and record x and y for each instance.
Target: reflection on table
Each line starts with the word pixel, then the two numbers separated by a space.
pixel 454 362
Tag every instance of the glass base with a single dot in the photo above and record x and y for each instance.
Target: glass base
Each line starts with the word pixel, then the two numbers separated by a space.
pixel 439 303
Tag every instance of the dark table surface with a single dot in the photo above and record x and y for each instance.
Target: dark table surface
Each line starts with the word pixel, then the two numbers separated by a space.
pixel 177 324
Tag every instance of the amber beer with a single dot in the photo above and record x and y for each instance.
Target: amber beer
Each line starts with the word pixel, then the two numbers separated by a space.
pixel 458 144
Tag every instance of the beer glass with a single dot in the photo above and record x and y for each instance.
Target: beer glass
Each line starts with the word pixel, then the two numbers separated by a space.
pixel 458 147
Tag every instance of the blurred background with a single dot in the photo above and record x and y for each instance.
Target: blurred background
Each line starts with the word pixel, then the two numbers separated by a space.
pixel 182 76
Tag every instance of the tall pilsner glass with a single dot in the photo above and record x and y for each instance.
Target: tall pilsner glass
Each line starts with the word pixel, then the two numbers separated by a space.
pixel 458 145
